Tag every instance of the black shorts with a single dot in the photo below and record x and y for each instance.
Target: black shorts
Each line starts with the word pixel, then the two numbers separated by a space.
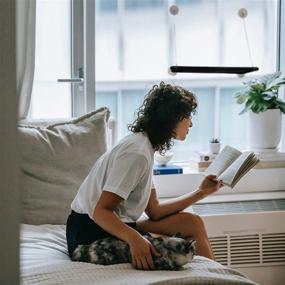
pixel 80 229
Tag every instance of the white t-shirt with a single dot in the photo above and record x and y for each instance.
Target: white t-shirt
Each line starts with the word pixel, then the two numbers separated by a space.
pixel 125 170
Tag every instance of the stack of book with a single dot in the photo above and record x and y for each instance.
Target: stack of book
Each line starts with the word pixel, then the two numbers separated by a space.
pixel 201 160
pixel 167 169
pixel 270 160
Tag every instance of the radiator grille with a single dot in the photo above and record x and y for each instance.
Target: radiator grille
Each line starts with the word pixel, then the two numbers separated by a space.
pixel 239 207
pixel 220 248
pixel 244 249
pixel 273 248
pixel 255 249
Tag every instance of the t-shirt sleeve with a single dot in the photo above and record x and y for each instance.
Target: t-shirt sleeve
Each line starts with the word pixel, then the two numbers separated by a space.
pixel 125 174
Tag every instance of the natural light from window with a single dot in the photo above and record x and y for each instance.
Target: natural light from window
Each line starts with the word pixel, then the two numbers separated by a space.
pixel 146 40
pixel 135 43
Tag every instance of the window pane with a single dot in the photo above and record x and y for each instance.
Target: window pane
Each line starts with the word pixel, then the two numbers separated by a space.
pixel 107 40
pixel 232 125
pixel 51 99
pixel 145 40
pixel 131 100
pixel 197 33
pixel 107 99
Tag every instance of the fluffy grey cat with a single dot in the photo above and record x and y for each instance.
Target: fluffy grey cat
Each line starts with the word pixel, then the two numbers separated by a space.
pixel 175 252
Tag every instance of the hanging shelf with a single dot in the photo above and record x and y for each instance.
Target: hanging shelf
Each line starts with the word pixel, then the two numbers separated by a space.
pixel 242 13
pixel 212 69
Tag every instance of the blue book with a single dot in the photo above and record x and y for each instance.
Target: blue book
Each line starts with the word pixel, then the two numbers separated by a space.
pixel 167 169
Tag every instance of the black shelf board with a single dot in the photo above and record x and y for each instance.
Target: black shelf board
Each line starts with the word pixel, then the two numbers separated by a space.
pixel 213 69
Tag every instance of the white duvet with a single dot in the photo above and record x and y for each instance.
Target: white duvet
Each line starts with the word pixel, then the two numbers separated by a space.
pixel 44 260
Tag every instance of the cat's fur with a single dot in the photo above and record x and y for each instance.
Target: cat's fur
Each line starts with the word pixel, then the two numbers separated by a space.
pixel 175 252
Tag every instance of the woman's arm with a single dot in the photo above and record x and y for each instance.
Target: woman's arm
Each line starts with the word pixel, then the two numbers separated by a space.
pixel 156 210
pixel 106 218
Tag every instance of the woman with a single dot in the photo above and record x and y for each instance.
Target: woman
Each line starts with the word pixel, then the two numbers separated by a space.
pixel 119 187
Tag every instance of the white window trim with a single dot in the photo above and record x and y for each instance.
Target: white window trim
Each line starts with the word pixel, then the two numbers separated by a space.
pixel 83 56
pixel 77 56
pixel 89 54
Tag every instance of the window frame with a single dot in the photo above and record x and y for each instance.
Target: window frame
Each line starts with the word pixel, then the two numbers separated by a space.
pixel 83 56
pixel 77 56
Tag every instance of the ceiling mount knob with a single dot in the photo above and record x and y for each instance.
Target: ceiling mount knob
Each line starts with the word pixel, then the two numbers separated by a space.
pixel 243 13
pixel 173 10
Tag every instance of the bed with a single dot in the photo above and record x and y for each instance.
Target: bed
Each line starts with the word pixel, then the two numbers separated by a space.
pixel 55 158
pixel 44 260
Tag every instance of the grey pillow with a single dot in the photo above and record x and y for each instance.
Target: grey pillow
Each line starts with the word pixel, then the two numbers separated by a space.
pixel 55 159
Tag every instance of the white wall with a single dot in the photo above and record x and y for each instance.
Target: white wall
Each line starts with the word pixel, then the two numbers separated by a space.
pixel 9 196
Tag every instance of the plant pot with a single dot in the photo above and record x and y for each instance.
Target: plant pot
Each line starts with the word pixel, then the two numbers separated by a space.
pixel 214 148
pixel 264 130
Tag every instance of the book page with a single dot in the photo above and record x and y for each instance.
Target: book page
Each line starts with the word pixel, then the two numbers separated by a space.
pixel 250 163
pixel 223 160
pixel 238 169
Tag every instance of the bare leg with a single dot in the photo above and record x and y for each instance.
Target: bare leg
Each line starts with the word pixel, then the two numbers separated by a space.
pixel 188 224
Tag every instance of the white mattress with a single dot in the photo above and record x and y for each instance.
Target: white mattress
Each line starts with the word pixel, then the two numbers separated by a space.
pixel 44 260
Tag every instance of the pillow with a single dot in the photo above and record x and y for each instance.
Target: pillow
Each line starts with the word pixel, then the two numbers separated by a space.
pixel 55 159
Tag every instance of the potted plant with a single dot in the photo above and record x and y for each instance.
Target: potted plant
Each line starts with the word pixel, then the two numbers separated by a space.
pixel 261 101
pixel 214 146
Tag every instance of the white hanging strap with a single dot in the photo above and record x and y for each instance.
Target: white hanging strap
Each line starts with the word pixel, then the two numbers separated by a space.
pixel 173 10
pixel 174 45
pixel 247 42
pixel 243 14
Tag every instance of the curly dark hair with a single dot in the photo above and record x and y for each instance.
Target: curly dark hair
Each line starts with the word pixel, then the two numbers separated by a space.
pixel 163 107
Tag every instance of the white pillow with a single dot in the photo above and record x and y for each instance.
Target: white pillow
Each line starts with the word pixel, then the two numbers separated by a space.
pixel 55 159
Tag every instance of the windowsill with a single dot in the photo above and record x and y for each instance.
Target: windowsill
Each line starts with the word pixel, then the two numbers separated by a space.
pixel 256 181
pixel 236 197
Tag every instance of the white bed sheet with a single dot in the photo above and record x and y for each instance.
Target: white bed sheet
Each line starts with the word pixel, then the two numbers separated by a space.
pixel 44 260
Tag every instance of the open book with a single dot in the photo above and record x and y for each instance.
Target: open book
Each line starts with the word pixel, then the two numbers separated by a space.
pixel 231 165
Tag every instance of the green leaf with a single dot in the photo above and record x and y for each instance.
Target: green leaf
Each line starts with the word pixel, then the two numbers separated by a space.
pixel 259 87
pixel 249 103
pixel 267 98
pixel 269 78
pixel 241 98
pixel 261 94
pixel 280 105
pixel 282 109
pixel 277 82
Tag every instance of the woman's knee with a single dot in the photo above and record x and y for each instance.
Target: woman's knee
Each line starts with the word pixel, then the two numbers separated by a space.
pixel 194 221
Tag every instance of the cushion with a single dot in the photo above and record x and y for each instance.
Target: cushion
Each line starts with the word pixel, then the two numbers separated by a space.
pixel 55 159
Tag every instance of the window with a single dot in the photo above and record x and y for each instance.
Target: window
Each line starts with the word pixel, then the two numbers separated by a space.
pixel 136 42
pixel 51 99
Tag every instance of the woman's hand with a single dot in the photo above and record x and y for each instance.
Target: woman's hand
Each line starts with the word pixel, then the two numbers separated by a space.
pixel 141 251
pixel 210 185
